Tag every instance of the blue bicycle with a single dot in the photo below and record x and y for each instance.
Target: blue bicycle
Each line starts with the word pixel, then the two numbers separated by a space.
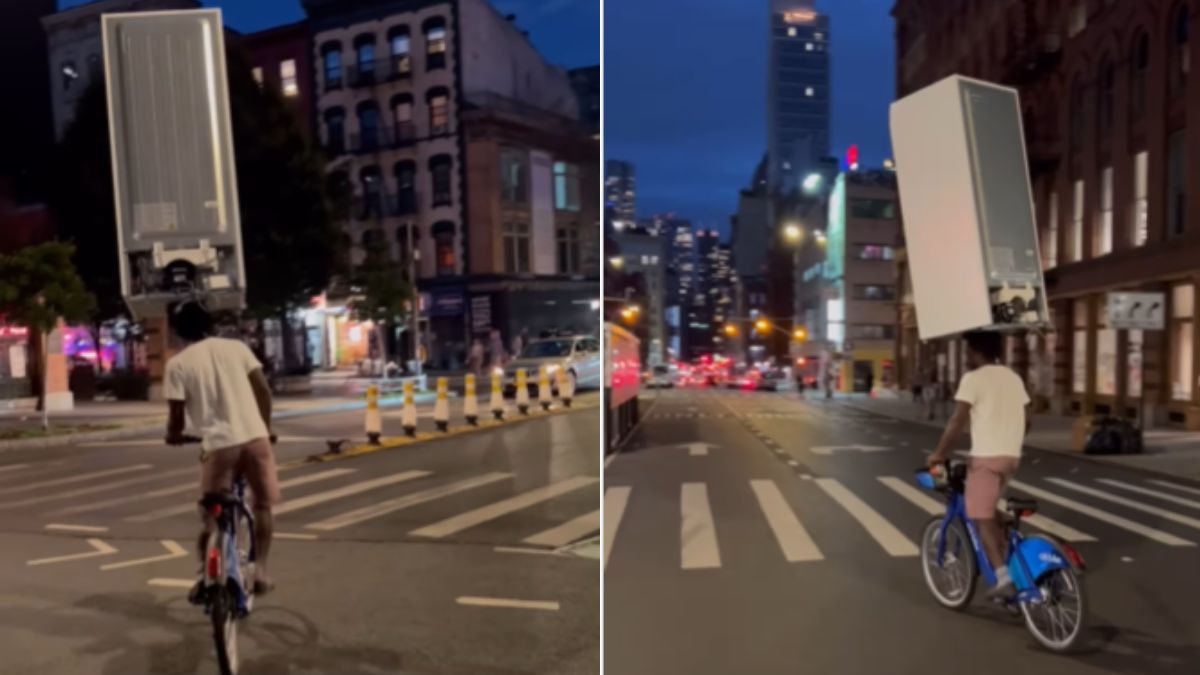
pixel 1046 572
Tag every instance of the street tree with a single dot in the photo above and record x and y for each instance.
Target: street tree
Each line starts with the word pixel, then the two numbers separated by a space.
pixel 39 285
pixel 382 295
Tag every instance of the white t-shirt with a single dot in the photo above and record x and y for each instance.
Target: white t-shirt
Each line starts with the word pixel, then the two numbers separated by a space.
pixel 212 378
pixel 997 398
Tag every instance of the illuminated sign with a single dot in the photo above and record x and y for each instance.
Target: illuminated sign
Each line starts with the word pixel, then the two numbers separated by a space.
pixel 800 16
pixel 852 157
pixel 13 332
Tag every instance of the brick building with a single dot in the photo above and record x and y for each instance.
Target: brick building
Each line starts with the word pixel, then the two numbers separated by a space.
pixel 281 58
pixel 1108 97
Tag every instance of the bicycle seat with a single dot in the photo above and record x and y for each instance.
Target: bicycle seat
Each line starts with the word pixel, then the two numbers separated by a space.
pixel 1022 506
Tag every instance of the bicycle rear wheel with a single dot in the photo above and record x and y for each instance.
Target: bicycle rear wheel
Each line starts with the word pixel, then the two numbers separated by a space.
pixel 1058 619
pixel 245 548
pixel 952 582
pixel 223 610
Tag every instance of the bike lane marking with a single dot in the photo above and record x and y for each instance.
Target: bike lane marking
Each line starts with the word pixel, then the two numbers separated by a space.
pixel 885 534
pixel 1110 518
pixel 697 533
pixel 99 548
pixel 174 550
pixel 616 498
pixel 793 539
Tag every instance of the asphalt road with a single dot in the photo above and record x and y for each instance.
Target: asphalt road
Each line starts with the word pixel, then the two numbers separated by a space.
pixel 706 572
pixel 382 560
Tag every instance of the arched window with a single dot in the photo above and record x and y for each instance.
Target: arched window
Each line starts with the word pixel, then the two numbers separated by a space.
pixel 408 238
pixel 438 100
pixel 1078 113
pixel 371 200
pixel 364 53
pixel 402 113
pixel 1106 91
pixel 439 171
pixel 335 131
pixel 368 126
pixel 443 251
pixel 340 193
pixel 435 43
pixel 399 45
pixel 331 61
pixel 406 187
pixel 373 241
pixel 1140 60
pixel 1181 58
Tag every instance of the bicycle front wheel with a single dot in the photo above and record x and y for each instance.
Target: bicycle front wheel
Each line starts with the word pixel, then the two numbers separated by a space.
pixel 952 579
pixel 223 610
pixel 1057 620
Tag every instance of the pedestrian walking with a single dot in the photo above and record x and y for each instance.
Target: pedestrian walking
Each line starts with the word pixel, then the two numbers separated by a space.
pixel 476 358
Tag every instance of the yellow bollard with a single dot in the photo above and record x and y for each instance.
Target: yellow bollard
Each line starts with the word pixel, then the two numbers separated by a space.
pixel 374 422
pixel 470 403
pixel 522 392
pixel 497 405
pixel 545 396
pixel 566 388
pixel 441 408
pixel 408 414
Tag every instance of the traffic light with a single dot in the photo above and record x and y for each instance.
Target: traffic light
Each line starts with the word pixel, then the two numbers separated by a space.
pixel 800 335
pixel 731 330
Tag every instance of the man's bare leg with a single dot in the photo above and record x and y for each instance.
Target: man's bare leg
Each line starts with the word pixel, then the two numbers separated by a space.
pixel 991 536
pixel 264 530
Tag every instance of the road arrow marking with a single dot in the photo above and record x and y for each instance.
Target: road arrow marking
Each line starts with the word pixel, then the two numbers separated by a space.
pixel 831 449
pixel 174 550
pixel 99 548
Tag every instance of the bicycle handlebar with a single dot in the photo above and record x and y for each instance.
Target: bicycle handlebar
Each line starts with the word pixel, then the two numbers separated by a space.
pixel 189 440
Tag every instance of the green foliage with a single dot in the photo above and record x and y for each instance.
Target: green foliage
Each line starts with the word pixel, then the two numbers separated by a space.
pixel 382 293
pixel 39 285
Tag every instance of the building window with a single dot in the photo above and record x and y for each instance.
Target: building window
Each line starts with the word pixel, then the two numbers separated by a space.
pixel 70 74
pixel 439 170
pixel 1183 299
pixel 1103 235
pixel 372 240
pixel 287 78
pixel 874 292
pixel 364 51
pixel 257 72
pixel 399 42
pixel 372 193
pixel 872 332
pixel 512 177
pixel 443 248
pixel 1140 218
pixel 1079 355
pixel 402 114
pixel 1106 357
pixel 568 249
pixel 435 44
pixel 406 187
pixel 1076 242
pixel 808 46
pixel 874 209
pixel 1141 63
pixel 1050 244
pixel 1078 114
pixel 1077 19
pixel 1176 174
pixel 368 126
pixel 439 111
pixel 335 131
pixel 331 58
pixel 874 252
pixel 1181 58
pixel 809 92
pixel 566 186
pixel 1107 91
pixel 402 235
pixel 791 31
pixel 516 248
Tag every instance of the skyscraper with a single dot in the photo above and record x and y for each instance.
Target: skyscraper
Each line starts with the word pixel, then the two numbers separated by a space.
pixel 798 94
pixel 620 193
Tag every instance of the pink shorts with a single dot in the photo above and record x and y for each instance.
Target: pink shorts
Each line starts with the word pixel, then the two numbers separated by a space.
pixel 986 479
pixel 254 460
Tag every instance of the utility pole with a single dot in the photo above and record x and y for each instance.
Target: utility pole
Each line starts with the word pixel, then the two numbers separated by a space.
pixel 413 257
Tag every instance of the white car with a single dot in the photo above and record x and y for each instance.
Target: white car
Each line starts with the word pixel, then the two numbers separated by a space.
pixel 578 355
pixel 662 377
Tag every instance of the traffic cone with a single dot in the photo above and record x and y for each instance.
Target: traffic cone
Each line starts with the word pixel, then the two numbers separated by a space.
pixel 545 396
pixel 522 392
pixel 408 414
pixel 374 422
pixel 566 390
pixel 470 404
pixel 441 408
pixel 497 405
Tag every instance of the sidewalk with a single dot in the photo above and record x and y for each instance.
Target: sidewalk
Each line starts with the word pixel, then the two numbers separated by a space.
pixel 1176 453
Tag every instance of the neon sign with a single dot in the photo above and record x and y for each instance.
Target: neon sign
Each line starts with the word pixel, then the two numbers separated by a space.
pixel 800 16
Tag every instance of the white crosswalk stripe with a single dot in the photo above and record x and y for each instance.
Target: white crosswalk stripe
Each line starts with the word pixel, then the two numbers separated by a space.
pixel 1176 486
pixel 573 530
pixel 93 489
pixel 616 499
pixel 1112 519
pixel 697 533
pixel 885 534
pixel 793 539
pixel 13 467
pixel 462 521
pixel 306 501
pixel 191 507
pixel 1153 493
pixel 1054 527
pixel 78 478
pixel 1130 503
pixel 392 505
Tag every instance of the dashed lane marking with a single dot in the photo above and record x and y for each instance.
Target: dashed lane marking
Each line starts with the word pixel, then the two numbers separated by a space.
pixel 508 603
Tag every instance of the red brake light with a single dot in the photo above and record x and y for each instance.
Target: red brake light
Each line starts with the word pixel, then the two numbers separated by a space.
pixel 214 563
pixel 215 510
pixel 1073 556
pixel 1027 513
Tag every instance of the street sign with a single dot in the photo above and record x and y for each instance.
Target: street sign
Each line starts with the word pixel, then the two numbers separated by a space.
pixel 174 180
pixel 832 449
pixel 1137 311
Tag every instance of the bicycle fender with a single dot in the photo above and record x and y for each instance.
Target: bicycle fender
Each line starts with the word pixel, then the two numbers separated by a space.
pixel 1039 556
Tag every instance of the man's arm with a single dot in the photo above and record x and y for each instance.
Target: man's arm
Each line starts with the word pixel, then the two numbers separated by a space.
pixel 1028 417
pixel 957 424
pixel 262 395
pixel 175 422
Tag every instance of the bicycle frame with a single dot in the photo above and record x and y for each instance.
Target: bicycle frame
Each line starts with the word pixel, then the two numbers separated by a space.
pixel 222 559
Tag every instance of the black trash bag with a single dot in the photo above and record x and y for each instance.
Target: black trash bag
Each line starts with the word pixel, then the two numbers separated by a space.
pixel 1113 436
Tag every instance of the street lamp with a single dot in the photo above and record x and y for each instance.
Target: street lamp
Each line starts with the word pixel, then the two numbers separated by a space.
pixel 617 262
pixel 811 182
pixel 800 335
pixel 793 232
pixel 731 330
pixel 762 326
pixel 820 235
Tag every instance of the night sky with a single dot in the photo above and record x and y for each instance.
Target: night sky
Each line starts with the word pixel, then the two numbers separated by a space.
pixel 685 95
pixel 567 32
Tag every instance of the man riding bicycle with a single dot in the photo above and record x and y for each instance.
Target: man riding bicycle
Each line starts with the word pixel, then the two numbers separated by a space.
pixel 220 386
pixel 993 398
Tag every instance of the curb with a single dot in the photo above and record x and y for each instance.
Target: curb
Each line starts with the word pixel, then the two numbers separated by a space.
pixel 426 436
pixel 1067 454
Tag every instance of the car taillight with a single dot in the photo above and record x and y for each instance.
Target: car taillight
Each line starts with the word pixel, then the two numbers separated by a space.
pixel 214 563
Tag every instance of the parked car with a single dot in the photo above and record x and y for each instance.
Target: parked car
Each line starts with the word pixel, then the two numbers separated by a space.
pixel 774 380
pixel 578 355
pixel 662 377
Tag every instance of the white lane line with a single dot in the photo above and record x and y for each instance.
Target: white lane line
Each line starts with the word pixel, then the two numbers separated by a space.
pixel 1135 505
pixel 347 490
pixel 891 539
pixel 80 478
pixel 504 507
pixel 525 551
pixel 1110 518
pixel 1175 486
pixel 295 535
pixel 93 489
pixel 171 583
pixel 385 507
pixel 192 508
pixel 12 467
pixel 174 550
pixel 697 449
pixel 616 498
pixel 910 492
pixel 1153 493
pixel 697 533
pixel 508 603
pixel 793 539
pixel 60 527
pixel 565 533
pixel 99 548
pixel 1052 526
